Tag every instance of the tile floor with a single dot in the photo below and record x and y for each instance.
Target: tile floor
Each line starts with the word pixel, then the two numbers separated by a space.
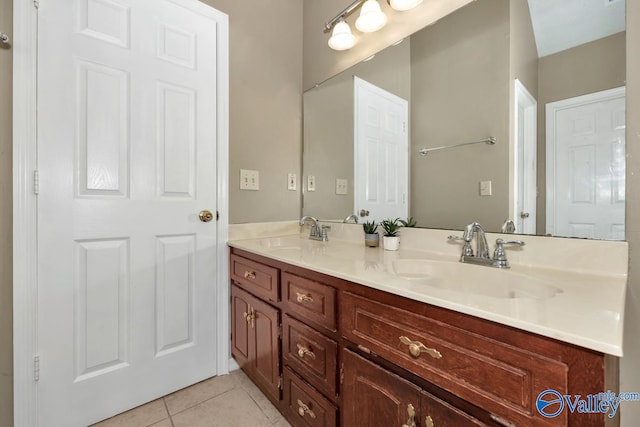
pixel 226 401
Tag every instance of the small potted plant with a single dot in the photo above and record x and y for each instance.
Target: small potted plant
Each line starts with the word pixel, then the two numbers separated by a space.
pixel 409 222
pixel 391 240
pixel 371 236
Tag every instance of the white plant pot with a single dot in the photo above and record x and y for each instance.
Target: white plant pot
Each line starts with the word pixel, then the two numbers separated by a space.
pixel 391 243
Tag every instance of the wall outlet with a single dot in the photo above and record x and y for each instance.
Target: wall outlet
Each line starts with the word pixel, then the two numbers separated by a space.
pixel 311 183
pixel 485 188
pixel 249 180
pixel 341 186
pixel 292 182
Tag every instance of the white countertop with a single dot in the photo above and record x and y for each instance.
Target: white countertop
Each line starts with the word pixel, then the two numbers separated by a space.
pixel 574 306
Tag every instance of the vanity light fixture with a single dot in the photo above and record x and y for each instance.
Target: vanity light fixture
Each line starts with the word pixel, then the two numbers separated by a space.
pixel 371 19
pixel 402 5
pixel 342 38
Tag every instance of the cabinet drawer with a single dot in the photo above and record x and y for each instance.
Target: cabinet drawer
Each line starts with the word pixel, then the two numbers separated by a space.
pixel 311 354
pixel 495 376
pixel 310 300
pixel 259 279
pixel 304 405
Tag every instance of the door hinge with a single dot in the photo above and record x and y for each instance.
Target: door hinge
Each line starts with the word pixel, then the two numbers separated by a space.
pixel 36 3
pixel 36 182
pixel 217 216
pixel 36 368
pixel 341 373
pixel 280 382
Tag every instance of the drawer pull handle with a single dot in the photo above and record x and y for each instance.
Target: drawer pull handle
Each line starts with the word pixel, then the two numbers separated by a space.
pixel 416 348
pixel 303 298
pixel 304 409
pixel 304 351
pixel 411 421
pixel 250 275
pixel 428 422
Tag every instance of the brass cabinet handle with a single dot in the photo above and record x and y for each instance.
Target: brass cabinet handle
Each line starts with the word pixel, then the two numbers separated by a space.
pixel 428 422
pixel 411 421
pixel 249 275
pixel 250 317
pixel 303 298
pixel 305 351
pixel 304 409
pixel 416 348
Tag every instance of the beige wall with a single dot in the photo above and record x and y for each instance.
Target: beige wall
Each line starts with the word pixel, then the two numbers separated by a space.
pixel 328 127
pixel 630 364
pixel 523 54
pixel 562 75
pixel 6 282
pixel 460 93
pixel 265 111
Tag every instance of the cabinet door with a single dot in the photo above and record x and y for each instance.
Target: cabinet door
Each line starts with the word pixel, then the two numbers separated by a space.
pixel 435 412
pixel 254 343
pixel 240 342
pixel 266 364
pixel 373 396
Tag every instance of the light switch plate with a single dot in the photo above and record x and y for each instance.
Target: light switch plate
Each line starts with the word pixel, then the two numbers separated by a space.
pixel 249 180
pixel 311 183
pixel 341 186
pixel 292 182
pixel 485 188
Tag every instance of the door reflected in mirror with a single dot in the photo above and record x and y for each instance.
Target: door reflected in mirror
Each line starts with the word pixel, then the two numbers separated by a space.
pixel 485 71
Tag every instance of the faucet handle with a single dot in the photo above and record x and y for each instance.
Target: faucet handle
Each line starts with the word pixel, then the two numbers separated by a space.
pixel 500 256
pixel 467 250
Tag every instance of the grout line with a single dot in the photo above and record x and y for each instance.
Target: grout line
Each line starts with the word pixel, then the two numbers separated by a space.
pixel 167 409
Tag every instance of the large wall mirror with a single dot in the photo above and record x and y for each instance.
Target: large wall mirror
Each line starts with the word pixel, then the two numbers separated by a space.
pixel 544 79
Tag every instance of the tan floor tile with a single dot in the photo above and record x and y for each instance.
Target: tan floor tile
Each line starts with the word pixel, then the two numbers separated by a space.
pixel 200 392
pixel 142 416
pixel 163 423
pixel 232 409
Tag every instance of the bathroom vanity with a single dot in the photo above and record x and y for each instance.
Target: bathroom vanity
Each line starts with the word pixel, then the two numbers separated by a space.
pixel 338 334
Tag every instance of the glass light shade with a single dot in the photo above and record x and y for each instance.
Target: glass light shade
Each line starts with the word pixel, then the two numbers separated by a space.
pixel 342 38
pixel 403 5
pixel 371 17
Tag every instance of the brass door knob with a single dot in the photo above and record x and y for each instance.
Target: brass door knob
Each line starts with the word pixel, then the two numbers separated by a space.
pixel 205 216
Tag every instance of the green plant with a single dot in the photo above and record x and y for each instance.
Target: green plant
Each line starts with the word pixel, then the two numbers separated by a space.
pixel 391 227
pixel 370 227
pixel 409 222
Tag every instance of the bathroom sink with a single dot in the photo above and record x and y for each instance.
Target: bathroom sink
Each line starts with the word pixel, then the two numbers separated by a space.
pixel 277 243
pixel 472 279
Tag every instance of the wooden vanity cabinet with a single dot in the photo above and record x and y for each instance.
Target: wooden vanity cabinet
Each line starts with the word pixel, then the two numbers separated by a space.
pixel 350 355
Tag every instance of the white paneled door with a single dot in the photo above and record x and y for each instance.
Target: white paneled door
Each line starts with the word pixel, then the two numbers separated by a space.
pixel 127 139
pixel 381 154
pixel 586 166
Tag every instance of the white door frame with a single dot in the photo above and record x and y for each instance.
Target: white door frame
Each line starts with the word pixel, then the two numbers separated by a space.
pixel 551 111
pixel 25 162
pixel 527 173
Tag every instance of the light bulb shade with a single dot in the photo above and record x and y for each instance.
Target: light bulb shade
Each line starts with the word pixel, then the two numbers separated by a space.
pixel 403 5
pixel 371 17
pixel 342 38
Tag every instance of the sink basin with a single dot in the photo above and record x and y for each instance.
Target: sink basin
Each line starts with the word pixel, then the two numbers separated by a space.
pixel 472 279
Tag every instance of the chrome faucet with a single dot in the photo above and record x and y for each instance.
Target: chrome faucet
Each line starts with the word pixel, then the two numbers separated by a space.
pixel 317 232
pixel 353 217
pixel 481 257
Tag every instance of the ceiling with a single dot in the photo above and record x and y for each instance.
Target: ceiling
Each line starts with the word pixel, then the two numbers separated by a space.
pixel 562 24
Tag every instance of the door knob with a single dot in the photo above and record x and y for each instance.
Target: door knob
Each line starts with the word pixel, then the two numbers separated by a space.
pixel 524 214
pixel 364 213
pixel 205 216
